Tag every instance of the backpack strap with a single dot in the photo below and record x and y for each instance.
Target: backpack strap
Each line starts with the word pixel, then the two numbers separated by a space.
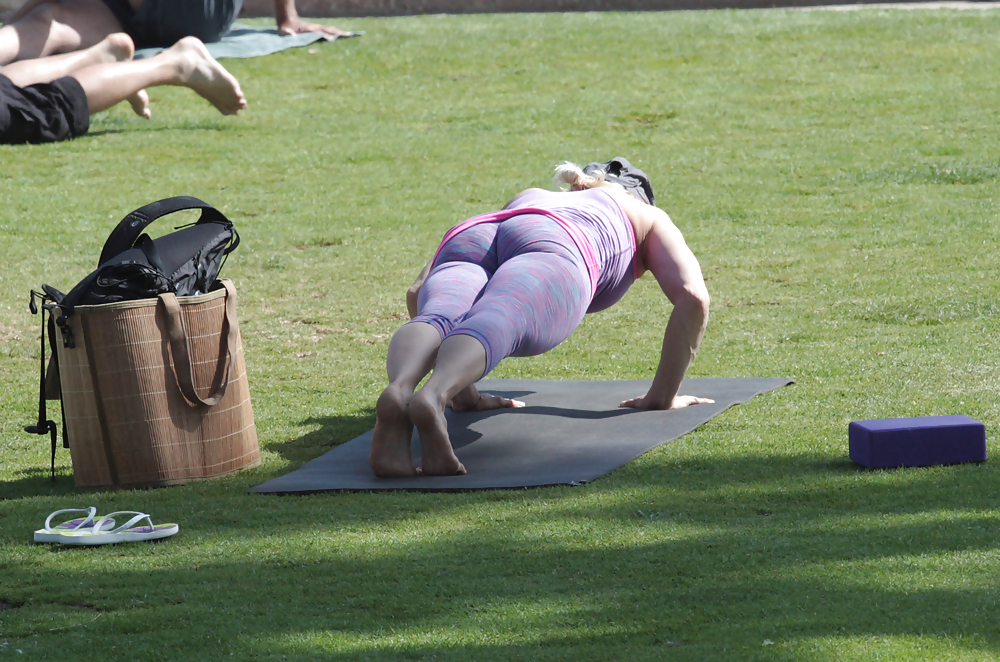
pixel 124 236
pixel 44 425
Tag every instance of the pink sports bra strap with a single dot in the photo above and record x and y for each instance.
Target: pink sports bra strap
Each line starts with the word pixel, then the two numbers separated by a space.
pixel 571 229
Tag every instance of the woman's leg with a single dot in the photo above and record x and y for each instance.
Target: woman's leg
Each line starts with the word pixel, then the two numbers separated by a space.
pixel 187 64
pixel 57 26
pixel 445 297
pixel 115 48
pixel 461 360
pixel 535 300
pixel 411 355
pixel 463 267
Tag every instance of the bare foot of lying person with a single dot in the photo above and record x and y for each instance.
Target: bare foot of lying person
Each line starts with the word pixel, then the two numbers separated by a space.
pixel 390 455
pixel 437 456
pixel 116 47
pixel 140 104
pixel 203 74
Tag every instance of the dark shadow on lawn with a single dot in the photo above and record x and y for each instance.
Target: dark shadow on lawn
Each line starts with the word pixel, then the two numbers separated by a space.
pixel 332 431
pixel 768 555
pixel 38 482
pixel 139 128
pixel 757 571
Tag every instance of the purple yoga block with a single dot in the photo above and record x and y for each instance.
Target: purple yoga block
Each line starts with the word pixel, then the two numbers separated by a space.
pixel 917 442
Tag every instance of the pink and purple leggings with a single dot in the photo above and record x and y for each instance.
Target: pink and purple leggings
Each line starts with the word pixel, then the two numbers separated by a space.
pixel 520 286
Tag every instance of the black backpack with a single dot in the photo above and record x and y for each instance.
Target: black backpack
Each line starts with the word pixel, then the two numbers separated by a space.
pixel 133 266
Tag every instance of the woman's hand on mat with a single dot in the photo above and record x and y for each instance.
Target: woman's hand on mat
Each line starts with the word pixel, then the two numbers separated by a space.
pixel 679 402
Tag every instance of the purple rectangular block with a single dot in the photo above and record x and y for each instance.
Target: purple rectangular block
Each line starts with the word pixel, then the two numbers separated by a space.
pixel 917 442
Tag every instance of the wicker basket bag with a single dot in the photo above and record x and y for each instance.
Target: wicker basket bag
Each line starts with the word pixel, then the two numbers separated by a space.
pixel 155 391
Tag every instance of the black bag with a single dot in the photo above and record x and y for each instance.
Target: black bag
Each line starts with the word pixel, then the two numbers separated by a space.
pixel 133 266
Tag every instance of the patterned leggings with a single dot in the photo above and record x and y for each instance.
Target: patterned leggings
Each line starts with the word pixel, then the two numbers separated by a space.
pixel 519 286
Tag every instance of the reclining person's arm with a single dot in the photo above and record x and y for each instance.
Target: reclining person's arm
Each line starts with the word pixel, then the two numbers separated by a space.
pixel 678 273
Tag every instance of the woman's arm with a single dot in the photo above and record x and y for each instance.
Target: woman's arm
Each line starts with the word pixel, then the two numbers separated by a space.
pixel 678 273
pixel 413 294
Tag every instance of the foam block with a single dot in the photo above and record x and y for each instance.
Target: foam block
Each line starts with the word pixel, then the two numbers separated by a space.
pixel 917 442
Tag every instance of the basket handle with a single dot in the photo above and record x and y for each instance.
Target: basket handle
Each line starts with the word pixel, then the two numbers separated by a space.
pixel 181 353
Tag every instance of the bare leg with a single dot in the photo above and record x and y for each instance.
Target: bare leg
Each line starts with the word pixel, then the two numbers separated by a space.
pixel 410 357
pixel 57 26
pixel 186 63
pixel 460 362
pixel 115 48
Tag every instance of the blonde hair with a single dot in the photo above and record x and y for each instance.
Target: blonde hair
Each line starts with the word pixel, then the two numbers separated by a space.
pixel 572 174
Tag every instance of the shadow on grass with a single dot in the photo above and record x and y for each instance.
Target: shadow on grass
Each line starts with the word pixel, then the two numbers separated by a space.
pixel 38 482
pixel 140 128
pixel 331 432
pixel 784 548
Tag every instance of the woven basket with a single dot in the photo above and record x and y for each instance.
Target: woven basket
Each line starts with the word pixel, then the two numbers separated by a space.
pixel 155 391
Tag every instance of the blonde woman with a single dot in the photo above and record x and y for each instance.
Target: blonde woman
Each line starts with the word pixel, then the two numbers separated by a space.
pixel 517 282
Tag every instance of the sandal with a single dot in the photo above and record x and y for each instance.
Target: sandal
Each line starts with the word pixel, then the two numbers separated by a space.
pixel 82 524
pixel 127 532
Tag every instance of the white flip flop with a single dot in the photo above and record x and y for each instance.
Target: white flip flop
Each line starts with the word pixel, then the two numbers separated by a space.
pixel 127 532
pixel 81 524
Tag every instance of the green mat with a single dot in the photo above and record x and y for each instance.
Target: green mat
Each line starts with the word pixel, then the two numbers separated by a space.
pixel 252 41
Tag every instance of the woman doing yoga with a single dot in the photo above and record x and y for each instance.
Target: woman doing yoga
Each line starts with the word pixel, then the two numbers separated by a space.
pixel 517 283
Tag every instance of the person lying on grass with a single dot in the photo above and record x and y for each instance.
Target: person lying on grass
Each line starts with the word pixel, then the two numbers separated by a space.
pixel 51 98
pixel 51 27
pixel 517 283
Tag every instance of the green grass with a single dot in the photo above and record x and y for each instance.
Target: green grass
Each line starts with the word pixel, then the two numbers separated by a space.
pixel 836 173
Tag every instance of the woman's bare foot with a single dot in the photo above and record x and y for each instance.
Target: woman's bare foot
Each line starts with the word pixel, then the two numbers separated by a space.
pixel 390 456
pixel 437 456
pixel 140 104
pixel 198 70
pixel 117 47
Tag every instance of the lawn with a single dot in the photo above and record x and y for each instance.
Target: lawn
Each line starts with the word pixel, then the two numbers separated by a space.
pixel 838 176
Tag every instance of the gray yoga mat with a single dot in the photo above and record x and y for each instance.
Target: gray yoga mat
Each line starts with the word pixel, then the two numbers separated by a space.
pixel 253 41
pixel 570 433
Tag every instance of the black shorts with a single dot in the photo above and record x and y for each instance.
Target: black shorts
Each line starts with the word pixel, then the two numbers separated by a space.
pixel 42 113
pixel 163 23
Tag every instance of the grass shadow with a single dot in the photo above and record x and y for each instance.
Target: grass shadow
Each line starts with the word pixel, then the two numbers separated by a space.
pixel 38 482
pixel 139 128
pixel 329 432
pixel 674 554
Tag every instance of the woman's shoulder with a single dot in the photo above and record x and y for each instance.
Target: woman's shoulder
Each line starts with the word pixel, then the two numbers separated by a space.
pixel 643 217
